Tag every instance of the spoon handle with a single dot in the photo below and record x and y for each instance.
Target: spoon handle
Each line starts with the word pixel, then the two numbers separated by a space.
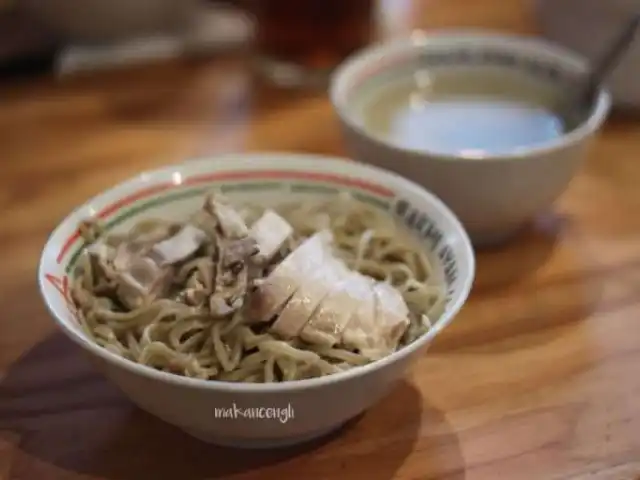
pixel 612 56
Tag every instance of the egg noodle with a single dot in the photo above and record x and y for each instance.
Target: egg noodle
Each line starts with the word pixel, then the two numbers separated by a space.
pixel 171 335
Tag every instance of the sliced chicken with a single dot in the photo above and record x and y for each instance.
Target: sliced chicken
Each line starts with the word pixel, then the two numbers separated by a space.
pixel 103 252
pixel 273 292
pixel 232 275
pixel 237 252
pixel 377 333
pixel 231 284
pixel 140 270
pixel 101 258
pixel 152 233
pixel 232 251
pixel 141 282
pixel 229 293
pixel 312 291
pixel 270 232
pixel 178 247
pixel 207 222
pixel 126 253
pixel 330 319
pixel 198 285
pixel 362 332
pixel 392 314
pixel 222 306
pixel 231 223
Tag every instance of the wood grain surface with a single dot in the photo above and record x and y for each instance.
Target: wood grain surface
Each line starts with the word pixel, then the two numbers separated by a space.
pixel 538 378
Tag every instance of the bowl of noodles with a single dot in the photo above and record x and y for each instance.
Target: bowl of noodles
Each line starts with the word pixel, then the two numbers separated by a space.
pixel 257 300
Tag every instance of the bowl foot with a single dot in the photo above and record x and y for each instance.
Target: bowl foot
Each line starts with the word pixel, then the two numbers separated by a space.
pixel 260 443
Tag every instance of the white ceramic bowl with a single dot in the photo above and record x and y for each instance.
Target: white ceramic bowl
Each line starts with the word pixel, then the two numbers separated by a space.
pixel 494 196
pixel 308 408
pixel 588 27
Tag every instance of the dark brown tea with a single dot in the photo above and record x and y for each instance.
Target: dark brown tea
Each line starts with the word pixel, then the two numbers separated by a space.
pixel 310 37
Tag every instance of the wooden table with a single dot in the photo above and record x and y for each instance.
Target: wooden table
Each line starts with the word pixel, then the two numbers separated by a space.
pixel 539 378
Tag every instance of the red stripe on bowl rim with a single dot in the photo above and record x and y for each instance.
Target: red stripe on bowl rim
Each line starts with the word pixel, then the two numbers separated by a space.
pixel 232 175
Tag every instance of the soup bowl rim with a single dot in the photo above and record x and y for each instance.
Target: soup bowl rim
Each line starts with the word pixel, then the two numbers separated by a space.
pixel 341 92
pixel 258 160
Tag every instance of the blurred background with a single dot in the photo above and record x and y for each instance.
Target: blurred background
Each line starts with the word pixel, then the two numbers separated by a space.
pixel 67 36
pixel 41 36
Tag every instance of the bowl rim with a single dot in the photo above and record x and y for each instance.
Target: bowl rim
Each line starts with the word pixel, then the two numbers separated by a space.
pixel 261 160
pixel 420 40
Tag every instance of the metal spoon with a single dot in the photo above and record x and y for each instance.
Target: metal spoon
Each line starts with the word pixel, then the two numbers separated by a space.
pixel 585 91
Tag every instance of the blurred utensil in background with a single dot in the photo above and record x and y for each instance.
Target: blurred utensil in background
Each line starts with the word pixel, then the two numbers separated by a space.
pixel 101 34
pixel 100 21
pixel 587 27
pixel 579 97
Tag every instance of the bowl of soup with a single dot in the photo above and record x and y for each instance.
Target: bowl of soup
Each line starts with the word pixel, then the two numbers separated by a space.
pixel 473 117
pixel 257 300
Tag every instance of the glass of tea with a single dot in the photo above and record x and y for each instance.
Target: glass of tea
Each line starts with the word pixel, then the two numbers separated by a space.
pixel 299 42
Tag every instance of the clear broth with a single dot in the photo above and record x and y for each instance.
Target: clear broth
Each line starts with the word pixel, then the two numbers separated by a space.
pixel 475 112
